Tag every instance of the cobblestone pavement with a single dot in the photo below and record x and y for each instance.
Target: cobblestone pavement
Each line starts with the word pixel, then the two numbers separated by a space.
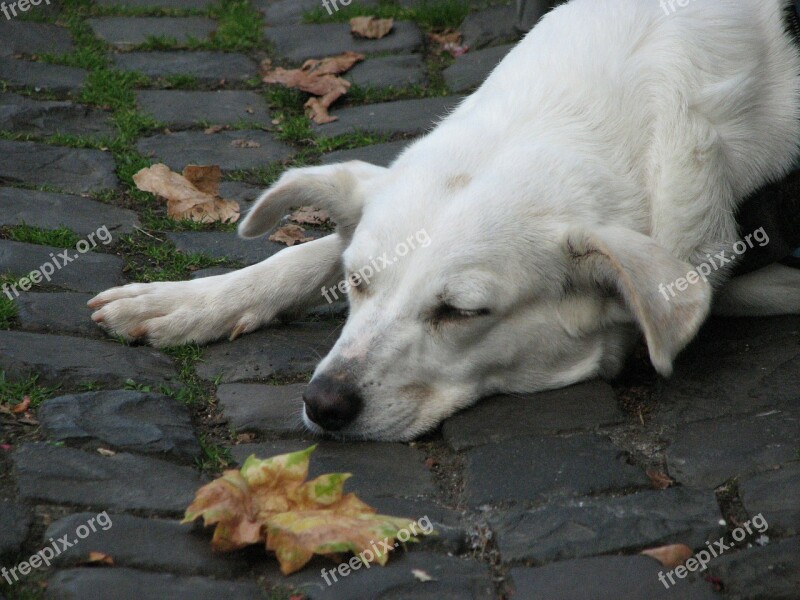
pixel 543 497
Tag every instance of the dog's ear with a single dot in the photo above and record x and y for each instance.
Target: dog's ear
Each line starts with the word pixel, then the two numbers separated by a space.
pixel 339 189
pixel 640 271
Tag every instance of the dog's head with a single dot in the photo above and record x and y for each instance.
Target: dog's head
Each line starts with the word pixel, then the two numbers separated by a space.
pixel 455 294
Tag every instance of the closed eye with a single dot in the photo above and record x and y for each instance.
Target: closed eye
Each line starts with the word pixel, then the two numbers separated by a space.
pixel 449 313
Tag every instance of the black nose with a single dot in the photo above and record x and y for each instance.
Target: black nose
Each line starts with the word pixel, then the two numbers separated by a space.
pixel 332 403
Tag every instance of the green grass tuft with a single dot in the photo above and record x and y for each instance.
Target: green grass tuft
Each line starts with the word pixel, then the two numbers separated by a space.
pixel 8 311
pixel 60 238
pixel 149 260
pixel 13 391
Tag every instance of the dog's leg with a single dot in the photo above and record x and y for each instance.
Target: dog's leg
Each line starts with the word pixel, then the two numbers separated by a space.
pixel 773 290
pixel 202 310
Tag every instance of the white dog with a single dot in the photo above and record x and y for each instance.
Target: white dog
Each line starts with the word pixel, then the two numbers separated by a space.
pixel 602 161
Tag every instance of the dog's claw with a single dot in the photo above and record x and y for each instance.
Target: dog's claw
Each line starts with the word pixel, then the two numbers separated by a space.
pixel 240 328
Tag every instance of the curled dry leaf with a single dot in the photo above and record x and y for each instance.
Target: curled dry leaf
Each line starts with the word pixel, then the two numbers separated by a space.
pixel 245 144
pixel 421 575
pixel 106 452
pixel 290 235
pixel 193 195
pixel 308 215
pixel 670 556
pixel 660 480
pixel 22 406
pixel 319 78
pixel 270 502
pixel 449 41
pixel 100 558
pixel 371 28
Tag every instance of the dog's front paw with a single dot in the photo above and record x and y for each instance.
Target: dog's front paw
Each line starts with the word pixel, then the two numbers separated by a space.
pixel 172 314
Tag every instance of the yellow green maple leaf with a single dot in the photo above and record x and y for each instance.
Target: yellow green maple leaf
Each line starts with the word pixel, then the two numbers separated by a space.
pixel 269 501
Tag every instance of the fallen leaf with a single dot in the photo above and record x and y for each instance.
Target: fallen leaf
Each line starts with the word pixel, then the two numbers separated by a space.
pixel 290 235
pixel 205 179
pixel 213 129
pixel 308 215
pixel 371 28
pixel 317 111
pixel 99 558
pixel 185 200
pixel 244 438
pixel 269 501
pixel 22 406
pixel 319 78
pixel 106 452
pixel 659 480
pixel 449 41
pixel 245 144
pixel 421 575
pixel 670 556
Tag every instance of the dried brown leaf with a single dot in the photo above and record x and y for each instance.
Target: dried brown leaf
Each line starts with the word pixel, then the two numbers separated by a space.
pixel 319 78
pixel 290 235
pixel 22 406
pixel 308 215
pixel 242 143
pixel 371 28
pixel 670 556
pixel 100 558
pixel 204 178
pixel 449 41
pixel 660 480
pixel 184 199
pixel 317 111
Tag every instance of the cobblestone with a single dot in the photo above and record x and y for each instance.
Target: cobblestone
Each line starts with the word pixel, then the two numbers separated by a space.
pixel 206 67
pixel 69 169
pixel 231 150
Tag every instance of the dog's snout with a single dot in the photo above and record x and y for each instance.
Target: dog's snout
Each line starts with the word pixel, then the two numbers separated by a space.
pixel 331 403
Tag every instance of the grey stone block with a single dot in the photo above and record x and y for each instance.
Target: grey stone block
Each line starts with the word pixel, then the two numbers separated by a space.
pixel 585 406
pixel 206 67
pixel 69 169
pixel 298 43
pixel 144 423
pixel 121 482
pixel 187 109
pixel 287 350
pixel 128 32
pixel 52 211
pixel 70 361
pixel 197 148
pixel 41 76
pixel 400 117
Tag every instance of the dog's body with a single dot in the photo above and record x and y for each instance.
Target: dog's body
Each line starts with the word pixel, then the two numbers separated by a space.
pixel 603 159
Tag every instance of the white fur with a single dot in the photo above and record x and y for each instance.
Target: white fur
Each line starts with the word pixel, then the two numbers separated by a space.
pixel 605 155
